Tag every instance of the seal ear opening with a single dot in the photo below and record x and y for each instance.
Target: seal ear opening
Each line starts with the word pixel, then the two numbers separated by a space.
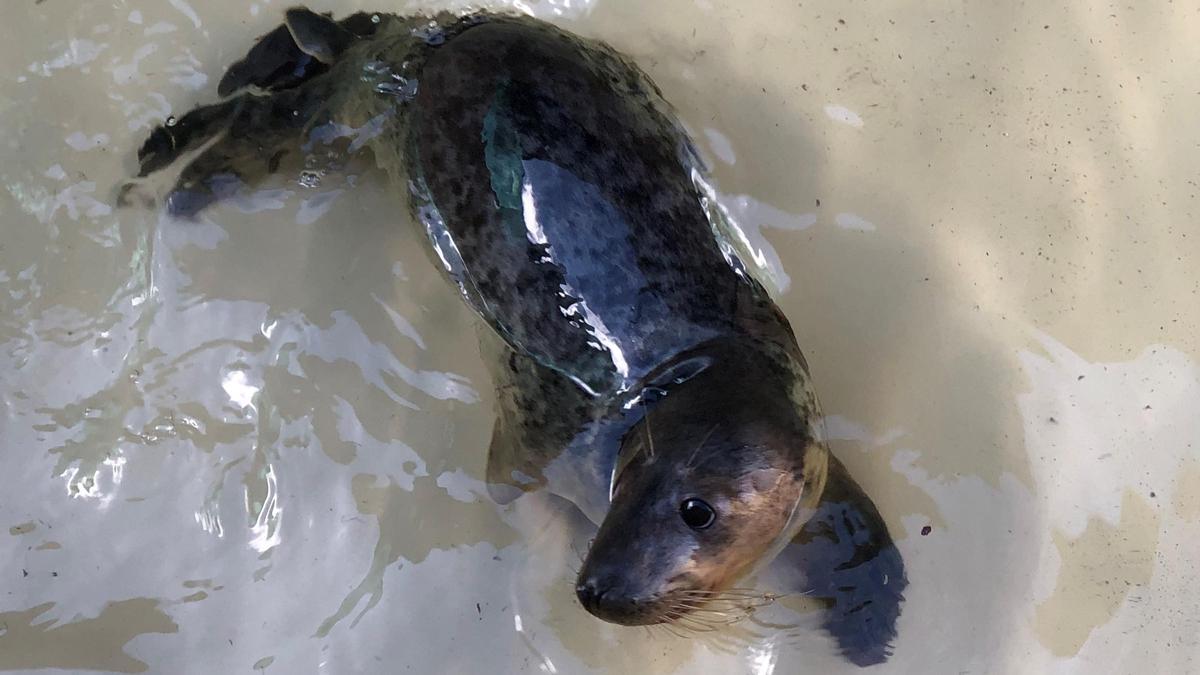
pixel 848 560
pixel 765 480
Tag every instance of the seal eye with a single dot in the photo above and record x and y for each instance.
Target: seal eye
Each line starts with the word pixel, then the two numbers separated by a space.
pixel 697 514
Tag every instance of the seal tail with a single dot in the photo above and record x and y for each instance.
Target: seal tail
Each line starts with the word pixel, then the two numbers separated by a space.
pixel 849 560
pixel 267 110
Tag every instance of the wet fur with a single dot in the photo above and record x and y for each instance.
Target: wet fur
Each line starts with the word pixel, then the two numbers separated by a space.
pixel 560 403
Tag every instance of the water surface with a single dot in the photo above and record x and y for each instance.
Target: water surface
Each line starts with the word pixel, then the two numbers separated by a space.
pixel 256 442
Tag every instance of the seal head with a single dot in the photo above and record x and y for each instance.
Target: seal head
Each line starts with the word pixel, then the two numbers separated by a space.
pixel 718 475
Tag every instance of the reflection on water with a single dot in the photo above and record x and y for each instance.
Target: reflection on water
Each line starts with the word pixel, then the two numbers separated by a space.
pixel 257 440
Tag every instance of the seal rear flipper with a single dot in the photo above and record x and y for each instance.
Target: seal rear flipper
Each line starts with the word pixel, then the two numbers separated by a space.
pixel 316 34
pixel 249 134
pixel 247 137
pixel 293 52
pixel 847 559
pixel 274 62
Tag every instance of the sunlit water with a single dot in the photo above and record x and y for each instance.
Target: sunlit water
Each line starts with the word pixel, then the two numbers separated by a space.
pixel 256 442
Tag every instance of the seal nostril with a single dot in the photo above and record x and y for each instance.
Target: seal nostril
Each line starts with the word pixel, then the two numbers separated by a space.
pixel 587 593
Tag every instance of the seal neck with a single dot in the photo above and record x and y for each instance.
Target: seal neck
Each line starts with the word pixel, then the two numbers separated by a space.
pixel 729 379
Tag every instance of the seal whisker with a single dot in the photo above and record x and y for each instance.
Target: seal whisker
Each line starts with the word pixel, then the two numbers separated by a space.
pixel 731 596
pixel 719 616
pixel 703 607
pixel 772 625
pixel 712 627
pixel 719 601
pixel 577 553
pixel 683 620
pixel 714 615
pixel 672 626
pixel 668 626
pixel 699 606
pixel 729 641
pixel 723 646
pixel 692 458
pixel 726 602
pixel 649 436
pixel 691 617
pixel 716 622
pixel 692 607
pixel 727 591
pixel 694 625
pixel 723 607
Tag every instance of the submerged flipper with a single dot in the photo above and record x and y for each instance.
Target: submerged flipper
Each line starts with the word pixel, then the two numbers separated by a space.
pixel 548 433
pixel 847 559
pixel 530 429
pixel 512 468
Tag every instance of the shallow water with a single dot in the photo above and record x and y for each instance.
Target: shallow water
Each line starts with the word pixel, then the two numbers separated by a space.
pixel 256 442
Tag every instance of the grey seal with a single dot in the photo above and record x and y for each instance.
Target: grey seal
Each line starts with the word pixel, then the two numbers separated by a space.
pixel 644 373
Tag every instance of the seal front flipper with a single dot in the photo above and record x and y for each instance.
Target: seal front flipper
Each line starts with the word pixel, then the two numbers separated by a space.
pixel 548 433
pixel 512 468
pixel 530 430
pixel 845 557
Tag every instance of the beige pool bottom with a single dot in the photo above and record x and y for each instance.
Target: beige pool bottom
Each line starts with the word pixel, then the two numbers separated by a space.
pixel 254 443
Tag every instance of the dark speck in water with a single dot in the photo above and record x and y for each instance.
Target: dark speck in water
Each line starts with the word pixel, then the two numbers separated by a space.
pixel 1053 421
pixel 926 530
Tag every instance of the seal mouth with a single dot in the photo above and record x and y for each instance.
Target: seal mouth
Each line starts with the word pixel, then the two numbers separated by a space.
pixel 607 602
pixel 695 610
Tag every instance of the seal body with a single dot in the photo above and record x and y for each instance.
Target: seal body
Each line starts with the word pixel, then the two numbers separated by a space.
pixel 643 374
pixel 553 176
